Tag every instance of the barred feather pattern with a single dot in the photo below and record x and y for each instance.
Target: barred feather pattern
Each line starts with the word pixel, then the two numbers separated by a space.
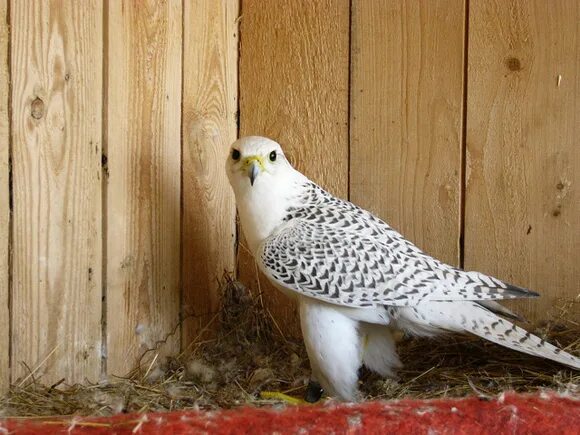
pixel 428 318
pixel 332 250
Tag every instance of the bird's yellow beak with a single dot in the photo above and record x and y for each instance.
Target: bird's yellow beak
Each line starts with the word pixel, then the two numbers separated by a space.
pixel 253 165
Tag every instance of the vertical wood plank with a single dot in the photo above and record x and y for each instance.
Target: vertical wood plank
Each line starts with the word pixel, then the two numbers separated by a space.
pixel 406 118
pixel 523 160
pixel 294 73
pixel 56 64
pixel 210 103
pixel 144 158
pixel 4 200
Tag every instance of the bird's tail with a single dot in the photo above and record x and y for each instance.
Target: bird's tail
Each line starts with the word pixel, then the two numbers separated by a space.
pixel 474 318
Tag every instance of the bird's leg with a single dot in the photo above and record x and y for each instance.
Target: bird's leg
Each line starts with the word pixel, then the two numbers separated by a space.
pixel 379 351
pixel 314 390
pixel 333 345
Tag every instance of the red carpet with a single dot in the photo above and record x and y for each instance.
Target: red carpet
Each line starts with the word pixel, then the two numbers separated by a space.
pixel 510 414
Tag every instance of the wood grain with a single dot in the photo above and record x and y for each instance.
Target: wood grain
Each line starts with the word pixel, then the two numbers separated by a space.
pixel 523 160
pixel 4 202
pixel 294 71
pixel 144 158
pixel 210 103
pixel 406 118
pixel 56 69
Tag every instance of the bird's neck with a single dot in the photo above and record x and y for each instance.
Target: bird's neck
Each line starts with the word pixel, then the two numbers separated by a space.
pixel 263 207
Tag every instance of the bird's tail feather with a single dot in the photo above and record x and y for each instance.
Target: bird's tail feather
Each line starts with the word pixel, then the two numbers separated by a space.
pixel 497 308
pixel 474 318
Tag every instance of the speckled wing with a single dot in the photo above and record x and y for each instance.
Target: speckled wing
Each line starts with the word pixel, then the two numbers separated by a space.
pixel 331 250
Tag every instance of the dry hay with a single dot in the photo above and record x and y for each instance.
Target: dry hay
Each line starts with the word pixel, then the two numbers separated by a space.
pixel 249 355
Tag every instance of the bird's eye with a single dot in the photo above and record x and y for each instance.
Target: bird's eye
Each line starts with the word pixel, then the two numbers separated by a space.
pixel 273 156
pixel 236 155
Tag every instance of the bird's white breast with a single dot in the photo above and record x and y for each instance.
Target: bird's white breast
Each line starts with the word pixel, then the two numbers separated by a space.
pixel 262 207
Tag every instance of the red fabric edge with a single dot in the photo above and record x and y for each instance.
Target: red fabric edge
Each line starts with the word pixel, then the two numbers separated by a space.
pixel 509 413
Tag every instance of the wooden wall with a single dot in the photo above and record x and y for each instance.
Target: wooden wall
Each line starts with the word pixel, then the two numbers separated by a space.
pixel 56 132
pixel 4 203
pixel 522 199
pixel 143 150
pixel 455 121
pixel 121 116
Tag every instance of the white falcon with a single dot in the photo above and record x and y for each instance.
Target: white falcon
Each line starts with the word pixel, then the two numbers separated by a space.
pixel 356 278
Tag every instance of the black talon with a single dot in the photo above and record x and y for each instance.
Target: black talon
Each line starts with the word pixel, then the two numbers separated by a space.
pixel 313 392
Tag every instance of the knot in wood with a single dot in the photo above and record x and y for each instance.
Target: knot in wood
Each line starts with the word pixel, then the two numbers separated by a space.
pixel 513 64
pixel 37 108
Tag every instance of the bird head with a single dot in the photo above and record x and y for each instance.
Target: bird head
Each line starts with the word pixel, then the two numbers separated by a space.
pixel 255 161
